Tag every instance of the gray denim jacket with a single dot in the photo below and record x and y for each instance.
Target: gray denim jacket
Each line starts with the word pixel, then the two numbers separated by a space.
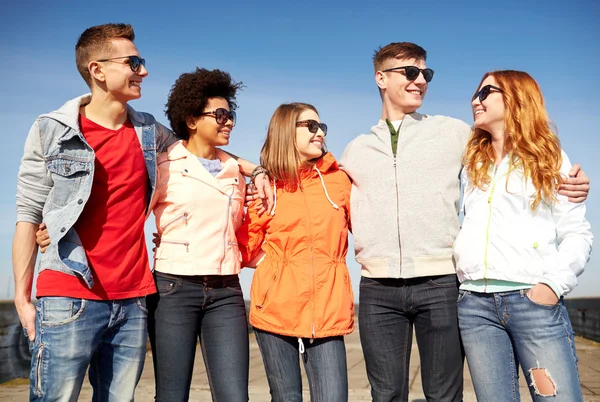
pixel 56 175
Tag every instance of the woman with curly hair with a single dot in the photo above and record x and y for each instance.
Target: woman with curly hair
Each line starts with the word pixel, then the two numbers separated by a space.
pixel 301 296
pixel 200 205
pixel 521 246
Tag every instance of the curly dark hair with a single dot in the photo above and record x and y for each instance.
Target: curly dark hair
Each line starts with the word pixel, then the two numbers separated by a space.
pixel 190 94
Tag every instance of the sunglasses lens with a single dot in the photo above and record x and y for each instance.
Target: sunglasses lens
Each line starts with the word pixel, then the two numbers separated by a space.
pixel 412 73
pixel 324 128
pixel 313 126
pixel 485 91
pixel 428 74
pixel 222 115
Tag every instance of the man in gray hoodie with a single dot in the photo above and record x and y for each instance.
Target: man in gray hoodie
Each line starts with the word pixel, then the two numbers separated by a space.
pixel 404 210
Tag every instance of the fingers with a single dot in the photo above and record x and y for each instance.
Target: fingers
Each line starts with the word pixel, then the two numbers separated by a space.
pixel 575 170
pixel 27 316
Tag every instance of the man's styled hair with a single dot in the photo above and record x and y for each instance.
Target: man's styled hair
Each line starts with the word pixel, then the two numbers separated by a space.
pixel 95 42
pixel 190 93
pixel 397 50
pixel 279 153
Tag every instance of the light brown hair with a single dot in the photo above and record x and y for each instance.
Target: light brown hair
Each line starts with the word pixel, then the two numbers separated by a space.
pixel 96 41
pixel 279 153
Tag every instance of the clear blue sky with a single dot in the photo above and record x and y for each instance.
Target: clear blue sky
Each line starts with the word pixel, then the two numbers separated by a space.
pixel 312 51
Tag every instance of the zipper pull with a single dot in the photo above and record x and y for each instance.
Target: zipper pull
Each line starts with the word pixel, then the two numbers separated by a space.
pixel 185 216
pixel 394 161
pixel 187 247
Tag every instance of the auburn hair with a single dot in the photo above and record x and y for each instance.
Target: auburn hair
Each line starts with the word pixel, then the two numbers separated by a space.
pixel 95 42
pixel 529 139
pixel 279 154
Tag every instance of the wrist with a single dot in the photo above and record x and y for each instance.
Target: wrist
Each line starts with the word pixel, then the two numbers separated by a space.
pixel 258 171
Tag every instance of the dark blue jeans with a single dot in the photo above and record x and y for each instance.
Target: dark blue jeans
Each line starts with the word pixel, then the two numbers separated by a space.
pixel 324 361
pixel 209 308
pixel 388 310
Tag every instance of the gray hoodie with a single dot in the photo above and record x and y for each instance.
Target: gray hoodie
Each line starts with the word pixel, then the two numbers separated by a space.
pixel 404 209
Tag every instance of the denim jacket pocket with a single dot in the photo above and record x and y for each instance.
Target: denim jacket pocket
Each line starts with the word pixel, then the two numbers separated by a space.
pixel 67 172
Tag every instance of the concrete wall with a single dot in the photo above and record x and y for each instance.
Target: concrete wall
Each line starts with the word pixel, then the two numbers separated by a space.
pixel 14 347
pixel 585 316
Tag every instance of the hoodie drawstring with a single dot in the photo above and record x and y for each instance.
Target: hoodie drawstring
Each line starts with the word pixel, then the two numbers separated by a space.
pixel 274 198
pixel 325 188
pixel 300 346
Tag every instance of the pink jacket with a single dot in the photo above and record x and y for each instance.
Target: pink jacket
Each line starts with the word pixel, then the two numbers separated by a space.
pixel 197 214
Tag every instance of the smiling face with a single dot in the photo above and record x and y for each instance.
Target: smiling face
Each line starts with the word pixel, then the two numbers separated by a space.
pixel 488 114
pixel 120 81
pixel 206 130
pixel 398 92
pixel 309 145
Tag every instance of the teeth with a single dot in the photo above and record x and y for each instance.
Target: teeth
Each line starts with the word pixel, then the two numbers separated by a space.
pixel 478 112
pixel 415 92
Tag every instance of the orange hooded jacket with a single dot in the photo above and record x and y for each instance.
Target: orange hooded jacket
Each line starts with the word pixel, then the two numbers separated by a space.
pixel 301 287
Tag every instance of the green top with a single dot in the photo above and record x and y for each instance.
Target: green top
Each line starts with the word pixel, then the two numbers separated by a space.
pixel 394 135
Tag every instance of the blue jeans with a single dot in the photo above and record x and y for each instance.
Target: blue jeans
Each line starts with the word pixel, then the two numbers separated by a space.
pixel 501 331
pixel 324 361
pixel 206 308
pixel 388 310
pixel 72 334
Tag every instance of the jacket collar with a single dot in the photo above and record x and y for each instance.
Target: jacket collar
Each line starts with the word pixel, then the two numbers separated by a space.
pixel 382 131
pixel 68 114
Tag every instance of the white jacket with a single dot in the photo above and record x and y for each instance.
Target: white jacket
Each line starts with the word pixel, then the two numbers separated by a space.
pixel 502 238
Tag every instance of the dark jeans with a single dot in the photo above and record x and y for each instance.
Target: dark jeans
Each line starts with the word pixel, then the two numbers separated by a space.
pixel 324 361
pixel 212 309
pixel 388 309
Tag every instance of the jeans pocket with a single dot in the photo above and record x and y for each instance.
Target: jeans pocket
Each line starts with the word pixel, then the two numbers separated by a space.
pixel 165 286
pixel 55 311
pixel 444 280
pixel 461 295
pixel 544 306
pixel 368 282
pixel 141 303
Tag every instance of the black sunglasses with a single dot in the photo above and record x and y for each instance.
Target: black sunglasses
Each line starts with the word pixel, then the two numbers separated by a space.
pixel 135 62
pixel 313 126
pixel 221 115
pixel 412 72
pixel 484 92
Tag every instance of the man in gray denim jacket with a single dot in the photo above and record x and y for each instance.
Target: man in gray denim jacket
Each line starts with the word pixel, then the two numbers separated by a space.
pixel 81 172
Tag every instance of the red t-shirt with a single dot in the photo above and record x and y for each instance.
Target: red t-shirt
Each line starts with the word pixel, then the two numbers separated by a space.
pixel 111 225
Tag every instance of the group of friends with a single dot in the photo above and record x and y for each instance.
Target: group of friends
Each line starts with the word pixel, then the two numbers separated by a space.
pixel 94 170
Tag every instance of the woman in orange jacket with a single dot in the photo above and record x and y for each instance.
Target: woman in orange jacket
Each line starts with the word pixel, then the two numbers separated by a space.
pixel 301 296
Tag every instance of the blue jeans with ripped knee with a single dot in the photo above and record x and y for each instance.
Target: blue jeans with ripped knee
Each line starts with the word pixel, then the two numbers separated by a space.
pixel 501 331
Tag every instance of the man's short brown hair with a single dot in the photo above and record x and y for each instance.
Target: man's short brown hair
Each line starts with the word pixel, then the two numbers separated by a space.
pixel 96 40
pixel 397 50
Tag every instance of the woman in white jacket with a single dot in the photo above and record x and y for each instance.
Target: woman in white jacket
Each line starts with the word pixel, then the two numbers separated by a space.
pixel 521 246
